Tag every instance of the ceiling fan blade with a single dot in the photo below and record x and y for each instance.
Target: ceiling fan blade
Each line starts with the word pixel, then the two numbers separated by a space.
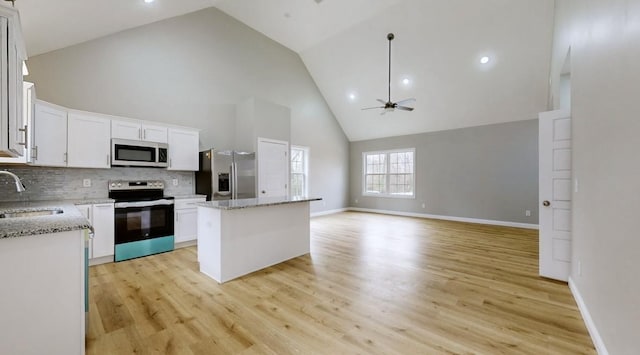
pixel 406 101
pixel 404 108
pixel 381 101
pixel 371 108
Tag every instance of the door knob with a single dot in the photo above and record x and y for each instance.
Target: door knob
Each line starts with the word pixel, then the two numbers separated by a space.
pixel 546 203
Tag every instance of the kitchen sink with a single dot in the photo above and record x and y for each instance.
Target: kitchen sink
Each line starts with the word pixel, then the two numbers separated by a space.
pixel 33 213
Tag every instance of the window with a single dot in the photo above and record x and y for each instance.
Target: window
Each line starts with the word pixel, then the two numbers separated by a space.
pixel 389 173
pixel 299 171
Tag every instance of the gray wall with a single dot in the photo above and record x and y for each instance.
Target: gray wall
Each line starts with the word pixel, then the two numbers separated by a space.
pixel 66 184
pixel 487 172
pixel 192 70
pixel 605 83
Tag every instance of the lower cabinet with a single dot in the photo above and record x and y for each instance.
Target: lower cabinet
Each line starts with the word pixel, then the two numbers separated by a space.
pixel 101 216
pixel 42 299
pixel 186 220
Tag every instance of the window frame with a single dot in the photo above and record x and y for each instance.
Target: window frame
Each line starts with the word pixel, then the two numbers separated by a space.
pixel 305 168
pixel 387 173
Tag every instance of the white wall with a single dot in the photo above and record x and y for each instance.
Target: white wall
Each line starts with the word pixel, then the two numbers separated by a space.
pixel 604 37
pixel 192 70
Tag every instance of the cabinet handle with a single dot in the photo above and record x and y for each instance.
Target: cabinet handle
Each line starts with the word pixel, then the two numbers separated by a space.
pixel 35 153
pixel 169 162
pixel 108 160
pixel 65 157
pixel 25 135
pixel 144 134
pixel 139 133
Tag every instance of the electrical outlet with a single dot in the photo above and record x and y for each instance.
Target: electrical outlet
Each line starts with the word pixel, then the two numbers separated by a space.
pixel 175 182
pixel 356 200
pixel 86 182
pixel 575 185
pixel 527 213
pixel 424 205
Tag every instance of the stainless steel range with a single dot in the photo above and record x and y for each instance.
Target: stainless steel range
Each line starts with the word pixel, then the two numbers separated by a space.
pixel 143 218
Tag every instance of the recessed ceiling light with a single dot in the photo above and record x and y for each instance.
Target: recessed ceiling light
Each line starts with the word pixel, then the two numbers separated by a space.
pixel 406 81
pixel 148 1
pixel 484 60
pixel 352 96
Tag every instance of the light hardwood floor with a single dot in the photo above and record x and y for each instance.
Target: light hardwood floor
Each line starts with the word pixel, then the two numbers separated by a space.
pixel 373 284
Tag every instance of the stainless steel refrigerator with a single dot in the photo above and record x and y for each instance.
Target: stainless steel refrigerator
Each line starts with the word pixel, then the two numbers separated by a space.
pixel 226 174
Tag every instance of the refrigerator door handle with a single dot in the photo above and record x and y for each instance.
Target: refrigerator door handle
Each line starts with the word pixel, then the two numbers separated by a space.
pixel 235 180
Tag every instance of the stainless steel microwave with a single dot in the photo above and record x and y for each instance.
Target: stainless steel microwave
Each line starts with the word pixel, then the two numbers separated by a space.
pixel 126 152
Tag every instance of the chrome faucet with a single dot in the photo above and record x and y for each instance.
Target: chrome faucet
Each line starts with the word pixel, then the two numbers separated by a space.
pixel 19 186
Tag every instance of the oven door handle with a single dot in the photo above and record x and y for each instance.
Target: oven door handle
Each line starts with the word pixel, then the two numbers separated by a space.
pixel 143 203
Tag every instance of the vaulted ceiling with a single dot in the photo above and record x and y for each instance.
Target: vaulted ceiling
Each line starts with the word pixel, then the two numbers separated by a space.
pixel 343 43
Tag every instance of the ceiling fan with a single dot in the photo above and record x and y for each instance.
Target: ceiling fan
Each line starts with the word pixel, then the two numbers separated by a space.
pixel 390 106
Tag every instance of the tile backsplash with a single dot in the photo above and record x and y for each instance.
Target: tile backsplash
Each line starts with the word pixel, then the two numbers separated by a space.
pixel 66 183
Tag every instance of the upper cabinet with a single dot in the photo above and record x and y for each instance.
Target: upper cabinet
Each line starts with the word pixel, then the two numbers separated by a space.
pixel 28 97
pixel 50 135
pixel 183 149
pixel 138 130
pixel 13 132
pixel 89 140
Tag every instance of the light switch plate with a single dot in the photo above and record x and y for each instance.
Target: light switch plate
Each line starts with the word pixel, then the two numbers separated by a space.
pixel 175 182
pixel 86 182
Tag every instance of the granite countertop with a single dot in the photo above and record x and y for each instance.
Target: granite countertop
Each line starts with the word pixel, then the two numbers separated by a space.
pixel 70 219
pixel 255 202
pixel 90 201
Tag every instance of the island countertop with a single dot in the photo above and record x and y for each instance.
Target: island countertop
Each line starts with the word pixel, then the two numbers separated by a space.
pixel 255 202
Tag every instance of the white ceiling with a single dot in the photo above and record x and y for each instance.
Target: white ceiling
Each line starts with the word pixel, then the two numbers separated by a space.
pixel 343 44
pixel 52 24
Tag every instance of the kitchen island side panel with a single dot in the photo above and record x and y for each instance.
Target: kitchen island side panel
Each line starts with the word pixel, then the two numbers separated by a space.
pixel 252 238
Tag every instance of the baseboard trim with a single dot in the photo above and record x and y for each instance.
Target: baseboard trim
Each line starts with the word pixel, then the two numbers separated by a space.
pixel 588 321
pixel 448 218
pixel 328 212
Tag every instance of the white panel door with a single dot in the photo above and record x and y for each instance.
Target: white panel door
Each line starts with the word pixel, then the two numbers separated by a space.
pixel 104 239
pixel 154 133
pixel 89 141
pixel 50 135
pixel 273 168
pixel 183 149
pixel 555 194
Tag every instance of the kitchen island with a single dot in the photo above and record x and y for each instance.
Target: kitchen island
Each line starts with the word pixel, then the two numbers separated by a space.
pixel 237 237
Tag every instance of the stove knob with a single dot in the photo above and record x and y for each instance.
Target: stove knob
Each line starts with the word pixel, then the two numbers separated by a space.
pixel 119 184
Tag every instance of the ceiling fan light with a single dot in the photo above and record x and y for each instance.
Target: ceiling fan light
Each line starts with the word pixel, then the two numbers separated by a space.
pixel 484 60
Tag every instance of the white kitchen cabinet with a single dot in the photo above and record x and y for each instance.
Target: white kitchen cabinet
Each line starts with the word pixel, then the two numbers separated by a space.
pixel 138 130
pixel 50 135
pixel 42 298
pixel 101 217
pixel 186 220
pixel 28 97
pixel 89 141
pixel 13 133
pixel 183 149
pixel 103 223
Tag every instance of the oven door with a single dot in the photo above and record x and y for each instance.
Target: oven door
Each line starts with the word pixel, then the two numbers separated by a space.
pixel 141 220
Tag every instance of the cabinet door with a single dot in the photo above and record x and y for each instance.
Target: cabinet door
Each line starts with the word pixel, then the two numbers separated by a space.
pixel 183 149
pixel 17 130
pixel 50 136
pixel 85 210
pixel 27 114
pixel 185 223
pixel 154 133
pixel 126 130
pixel 103 223
pixel 89 141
